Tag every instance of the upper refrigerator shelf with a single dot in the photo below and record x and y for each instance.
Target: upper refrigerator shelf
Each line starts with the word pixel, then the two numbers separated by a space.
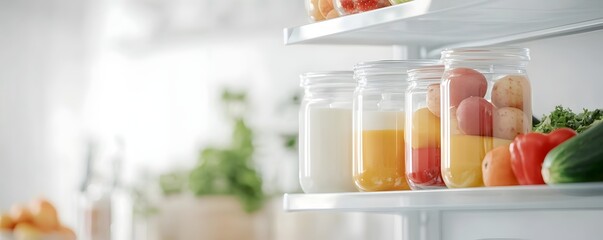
pixel 435 24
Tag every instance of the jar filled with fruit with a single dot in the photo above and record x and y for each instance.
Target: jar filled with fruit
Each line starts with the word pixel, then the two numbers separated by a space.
pixel 486 103
pixel 319 10
pixel 379 159
pixel 422 133
pixel 346 7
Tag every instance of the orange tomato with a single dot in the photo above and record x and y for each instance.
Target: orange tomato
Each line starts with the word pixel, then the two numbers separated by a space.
pixel 44 215
pixel 496 168
pixel 20 213
pixel 6 222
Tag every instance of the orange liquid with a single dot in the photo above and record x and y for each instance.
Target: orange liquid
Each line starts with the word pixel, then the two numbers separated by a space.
pixel 382 165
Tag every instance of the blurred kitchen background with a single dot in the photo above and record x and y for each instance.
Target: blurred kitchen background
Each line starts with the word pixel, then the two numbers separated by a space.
pixel 109 104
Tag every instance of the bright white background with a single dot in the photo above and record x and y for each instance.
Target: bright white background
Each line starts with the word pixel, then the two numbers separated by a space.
pixel 150 71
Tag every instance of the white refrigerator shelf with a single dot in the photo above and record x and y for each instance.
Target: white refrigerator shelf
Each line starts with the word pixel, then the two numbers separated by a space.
pixel 563 196
pixel 435 24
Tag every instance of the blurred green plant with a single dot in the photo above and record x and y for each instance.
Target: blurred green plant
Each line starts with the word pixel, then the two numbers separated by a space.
pixel 173 183
pixel 290 139
pixel 143 205
pixel 224 170
pixel 227 170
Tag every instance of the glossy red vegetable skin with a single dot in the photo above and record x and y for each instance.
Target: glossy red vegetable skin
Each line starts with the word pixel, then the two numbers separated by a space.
pixel 560 135
pixel 529 150
pixel 426 167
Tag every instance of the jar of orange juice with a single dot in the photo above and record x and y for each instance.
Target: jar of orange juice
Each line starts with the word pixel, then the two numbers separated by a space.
pixel 378 124
pixel 486 103
pixel 423 128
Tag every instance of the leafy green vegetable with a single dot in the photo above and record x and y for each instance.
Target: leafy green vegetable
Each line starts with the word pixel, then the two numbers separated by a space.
pixel 535 121
pixel 564 117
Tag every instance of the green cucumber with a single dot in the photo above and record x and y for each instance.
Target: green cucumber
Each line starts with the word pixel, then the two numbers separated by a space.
pixel 579 159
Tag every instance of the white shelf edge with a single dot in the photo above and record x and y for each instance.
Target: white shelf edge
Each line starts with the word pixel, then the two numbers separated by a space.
pixel 404 24
pixel 312 31
pixel 565 196
pixel 582 27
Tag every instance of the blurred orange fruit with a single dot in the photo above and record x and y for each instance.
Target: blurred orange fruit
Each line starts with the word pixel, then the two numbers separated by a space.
pixel 26 231
pixel 67 233
pixel 20 214
pixel 44 215
pixel 6 222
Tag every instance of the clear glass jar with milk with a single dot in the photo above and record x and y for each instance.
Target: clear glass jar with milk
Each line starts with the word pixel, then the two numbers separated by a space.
pixel 325 132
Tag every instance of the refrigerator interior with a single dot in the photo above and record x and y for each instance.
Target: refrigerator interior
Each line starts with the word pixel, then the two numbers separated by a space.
pixel 75 70
pixel 478 215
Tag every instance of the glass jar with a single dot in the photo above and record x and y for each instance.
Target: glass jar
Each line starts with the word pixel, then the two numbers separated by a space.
pixel 423 128
pixel 346 7
pixel 319 10
pixel 486 102
pixel 379 124
pixel 325 132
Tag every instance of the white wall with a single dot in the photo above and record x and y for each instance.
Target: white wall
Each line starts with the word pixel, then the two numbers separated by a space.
pixel 65 77
pixel 42 75
pixel 566 71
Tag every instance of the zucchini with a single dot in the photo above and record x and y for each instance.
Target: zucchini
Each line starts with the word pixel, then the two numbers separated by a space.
pixel 579 159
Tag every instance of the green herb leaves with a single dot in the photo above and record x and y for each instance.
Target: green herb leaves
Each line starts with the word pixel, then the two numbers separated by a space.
pixel 224 170
pixel 561 117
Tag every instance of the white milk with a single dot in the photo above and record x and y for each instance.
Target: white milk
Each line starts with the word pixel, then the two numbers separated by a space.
pixel 326 151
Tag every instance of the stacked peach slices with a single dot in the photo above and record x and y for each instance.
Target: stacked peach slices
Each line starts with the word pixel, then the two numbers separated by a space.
pixel 36 221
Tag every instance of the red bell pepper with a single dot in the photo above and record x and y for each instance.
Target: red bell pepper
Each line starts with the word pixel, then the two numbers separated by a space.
pixel 528 152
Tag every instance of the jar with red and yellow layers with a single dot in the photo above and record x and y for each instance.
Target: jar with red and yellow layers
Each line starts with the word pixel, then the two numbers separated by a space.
pixel 422 133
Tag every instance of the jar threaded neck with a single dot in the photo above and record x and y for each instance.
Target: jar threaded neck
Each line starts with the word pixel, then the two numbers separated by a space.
pixel 387 72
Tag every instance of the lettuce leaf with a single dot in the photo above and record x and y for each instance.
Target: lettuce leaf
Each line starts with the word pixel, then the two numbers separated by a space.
pixel 564 117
